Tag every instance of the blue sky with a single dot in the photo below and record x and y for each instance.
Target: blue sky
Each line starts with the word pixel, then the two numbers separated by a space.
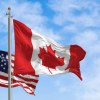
pixel 67 22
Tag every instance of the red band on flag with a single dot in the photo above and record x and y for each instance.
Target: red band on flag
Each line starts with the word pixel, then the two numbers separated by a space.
pixel 76 55
pixel 23 48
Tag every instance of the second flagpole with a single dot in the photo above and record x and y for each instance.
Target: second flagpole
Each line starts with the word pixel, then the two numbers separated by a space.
pixel 9 54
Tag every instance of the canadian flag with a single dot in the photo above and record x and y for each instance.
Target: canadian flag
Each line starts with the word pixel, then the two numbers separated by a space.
pixel 36 53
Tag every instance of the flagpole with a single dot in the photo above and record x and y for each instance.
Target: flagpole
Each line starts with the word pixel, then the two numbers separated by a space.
pixel 9 53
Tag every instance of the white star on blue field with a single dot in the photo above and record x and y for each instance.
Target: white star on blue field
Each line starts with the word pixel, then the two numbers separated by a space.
pixel 3 62
pixel 67 22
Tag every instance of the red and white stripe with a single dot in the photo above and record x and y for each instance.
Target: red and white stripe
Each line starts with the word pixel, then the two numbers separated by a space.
pixel 27 44
pixel 28 82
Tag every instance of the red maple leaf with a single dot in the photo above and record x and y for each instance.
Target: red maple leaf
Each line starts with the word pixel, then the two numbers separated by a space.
pixel 49 58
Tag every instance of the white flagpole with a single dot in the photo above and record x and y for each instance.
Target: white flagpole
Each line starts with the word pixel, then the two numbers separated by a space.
pixel 9 53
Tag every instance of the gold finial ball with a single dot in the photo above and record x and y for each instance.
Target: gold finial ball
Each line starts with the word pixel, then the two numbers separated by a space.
pixel 9 8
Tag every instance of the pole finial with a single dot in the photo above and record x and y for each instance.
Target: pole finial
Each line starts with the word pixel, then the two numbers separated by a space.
pixel 9 8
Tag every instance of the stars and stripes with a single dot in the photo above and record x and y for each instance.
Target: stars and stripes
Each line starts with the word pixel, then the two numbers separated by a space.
pixel 28 82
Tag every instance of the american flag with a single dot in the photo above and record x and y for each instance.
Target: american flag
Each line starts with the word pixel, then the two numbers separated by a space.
pixel 28 82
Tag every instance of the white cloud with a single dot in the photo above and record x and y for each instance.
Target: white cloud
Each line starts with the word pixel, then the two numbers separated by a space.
pixel 3 43
pixel 71 28
pixel 90 41
pixel 27 12
pixel 85 90
pixel 82 18
pixel 61 88
pixel 30 13
pixel 66 10
pixel 90 89
pixel 75 16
